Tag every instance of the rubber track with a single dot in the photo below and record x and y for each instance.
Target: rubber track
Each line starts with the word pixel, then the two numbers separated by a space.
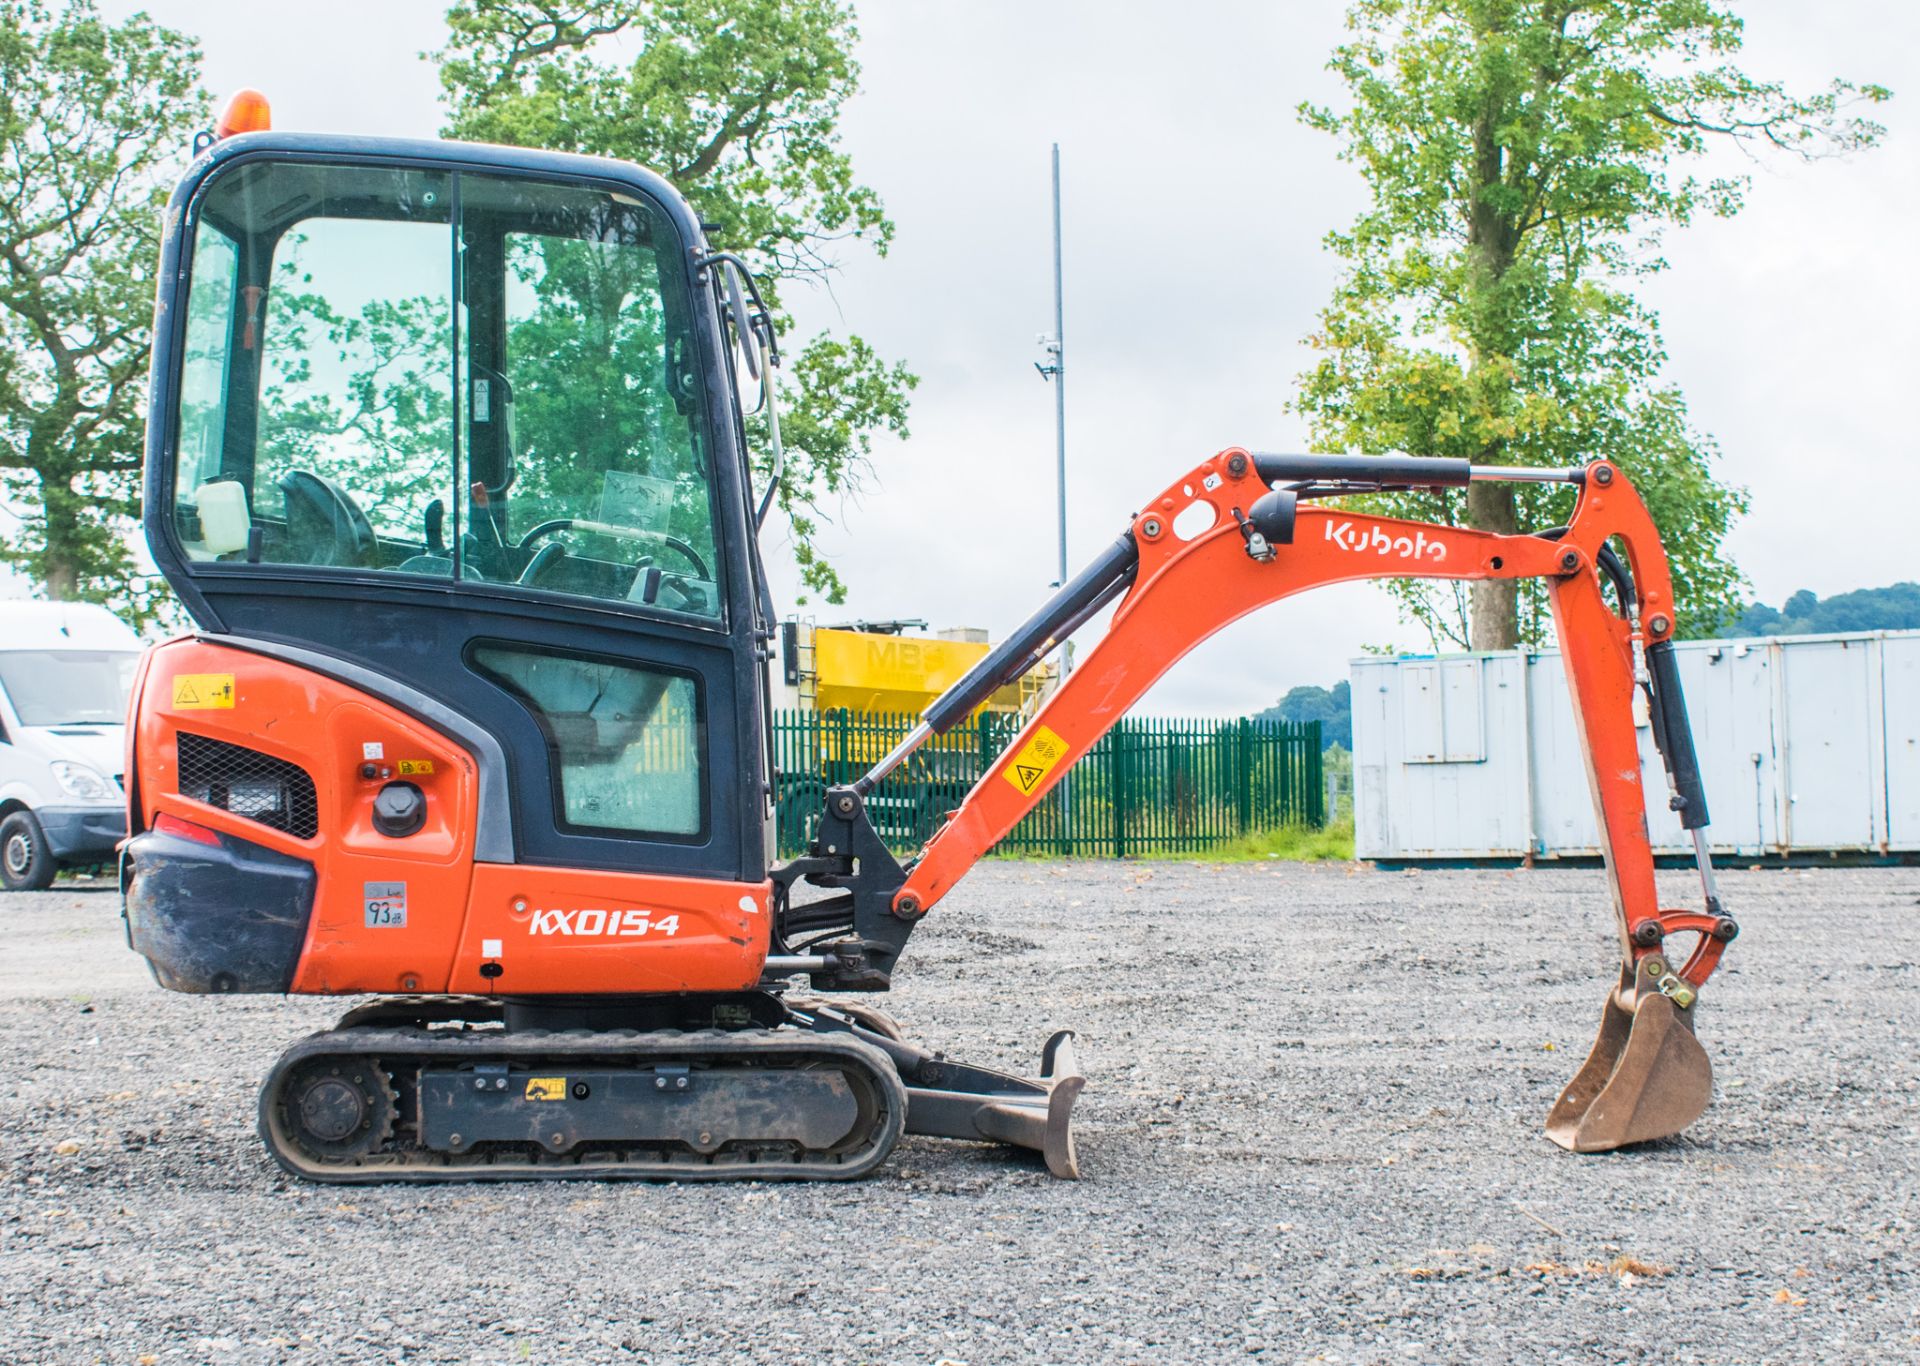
pixel 401 1049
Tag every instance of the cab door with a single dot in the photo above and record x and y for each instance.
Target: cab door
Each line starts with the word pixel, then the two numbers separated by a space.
pixel 459 419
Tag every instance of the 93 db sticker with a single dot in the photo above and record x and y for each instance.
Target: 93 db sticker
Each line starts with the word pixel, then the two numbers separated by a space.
pixel 386 905
pixel 1036 759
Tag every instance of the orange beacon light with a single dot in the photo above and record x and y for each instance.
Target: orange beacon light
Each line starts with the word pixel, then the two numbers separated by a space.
pixel 246 111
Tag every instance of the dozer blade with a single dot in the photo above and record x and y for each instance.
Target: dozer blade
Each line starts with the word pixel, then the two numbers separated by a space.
pixel 948 1099
pixel 1647 1077
pixel 1036 1114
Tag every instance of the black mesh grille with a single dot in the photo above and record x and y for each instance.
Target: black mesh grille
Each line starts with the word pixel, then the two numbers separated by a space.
pixel 250 784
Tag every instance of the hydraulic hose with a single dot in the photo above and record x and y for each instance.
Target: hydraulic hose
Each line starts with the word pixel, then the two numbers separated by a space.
pixel 1674 735
pixel 1079 599
pixel 1419 470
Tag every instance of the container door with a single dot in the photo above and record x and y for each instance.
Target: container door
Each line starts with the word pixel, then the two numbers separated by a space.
pixel 1901 661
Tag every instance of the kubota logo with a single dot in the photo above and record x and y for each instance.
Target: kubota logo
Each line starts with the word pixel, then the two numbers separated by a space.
pixel 594 922
pixel 1378 542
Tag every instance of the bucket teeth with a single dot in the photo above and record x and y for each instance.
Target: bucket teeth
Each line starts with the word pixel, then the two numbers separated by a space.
pixel 1646 1078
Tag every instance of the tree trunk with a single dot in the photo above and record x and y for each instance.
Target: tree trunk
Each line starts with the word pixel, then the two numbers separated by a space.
pixel 1496 602
pixel 1492 239
pixel 62 536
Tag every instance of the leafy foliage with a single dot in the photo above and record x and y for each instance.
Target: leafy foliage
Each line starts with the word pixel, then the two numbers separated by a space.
pixel 1331 707
pixel 1523 157
pixel 737 102
pixel 94 117
pixel 1893 608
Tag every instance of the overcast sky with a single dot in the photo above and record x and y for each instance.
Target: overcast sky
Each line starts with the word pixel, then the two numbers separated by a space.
pixel 1195 208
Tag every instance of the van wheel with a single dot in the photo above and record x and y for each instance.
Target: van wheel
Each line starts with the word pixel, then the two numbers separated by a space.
pixel 26 864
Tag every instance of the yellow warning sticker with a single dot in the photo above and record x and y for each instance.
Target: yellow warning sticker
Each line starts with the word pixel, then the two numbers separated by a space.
pixel 202 692
pixel 546 1088
pixel 1035 760
pixel 409 767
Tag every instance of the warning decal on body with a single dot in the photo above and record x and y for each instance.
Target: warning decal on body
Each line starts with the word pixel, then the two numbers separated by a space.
pixel 202 692
pixel 546 1088
pixel 1035 760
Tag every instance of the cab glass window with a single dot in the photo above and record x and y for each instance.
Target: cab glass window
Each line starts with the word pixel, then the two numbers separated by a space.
pixel 354 436
pixel 203 411
pixel 625 742
pixel 427 373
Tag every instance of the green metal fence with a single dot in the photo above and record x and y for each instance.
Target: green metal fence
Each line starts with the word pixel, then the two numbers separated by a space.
pixel 1149 784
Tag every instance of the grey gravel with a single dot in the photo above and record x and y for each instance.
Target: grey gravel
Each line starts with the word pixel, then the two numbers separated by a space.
pixel 1312 1134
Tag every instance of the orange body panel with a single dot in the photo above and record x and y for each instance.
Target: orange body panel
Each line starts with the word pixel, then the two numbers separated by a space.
pixel 566 930
pixel 719 932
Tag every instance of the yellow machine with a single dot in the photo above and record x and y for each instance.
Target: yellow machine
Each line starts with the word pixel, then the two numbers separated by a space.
pixel 853 691
pixel 878 669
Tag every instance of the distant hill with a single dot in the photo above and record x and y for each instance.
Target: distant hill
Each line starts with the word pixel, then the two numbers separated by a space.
pixel 1894 608
pixel 1333 709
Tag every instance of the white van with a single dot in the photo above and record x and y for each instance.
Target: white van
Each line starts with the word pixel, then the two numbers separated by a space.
pixel 65 671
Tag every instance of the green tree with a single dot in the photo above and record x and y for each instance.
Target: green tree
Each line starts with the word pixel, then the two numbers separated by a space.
pixel 1893 608
pixel 94 118
pixel 1523 157
pixel 737 102
pixel 1331 707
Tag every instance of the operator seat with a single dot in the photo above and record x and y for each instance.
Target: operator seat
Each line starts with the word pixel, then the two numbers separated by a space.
pixel 324 524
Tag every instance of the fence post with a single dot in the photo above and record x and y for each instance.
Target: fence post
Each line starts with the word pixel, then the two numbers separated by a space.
pixel 1117 783
pixel 1285 810
pixel 1316 767
pixel 1245 737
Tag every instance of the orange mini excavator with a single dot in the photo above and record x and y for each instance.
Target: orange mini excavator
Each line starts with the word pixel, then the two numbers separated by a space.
pixel 448 463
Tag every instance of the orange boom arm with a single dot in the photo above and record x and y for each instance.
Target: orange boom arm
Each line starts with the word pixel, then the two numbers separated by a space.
pixel 1259 547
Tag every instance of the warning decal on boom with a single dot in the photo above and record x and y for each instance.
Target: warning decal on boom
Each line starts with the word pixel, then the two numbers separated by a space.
pixel 1035 760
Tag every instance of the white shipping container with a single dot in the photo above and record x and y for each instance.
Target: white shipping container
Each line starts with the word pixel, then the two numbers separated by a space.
pixel 1806 744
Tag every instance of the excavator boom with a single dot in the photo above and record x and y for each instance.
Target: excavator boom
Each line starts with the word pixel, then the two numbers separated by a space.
pixel 1232 536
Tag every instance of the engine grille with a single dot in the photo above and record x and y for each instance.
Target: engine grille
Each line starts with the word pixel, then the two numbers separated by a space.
pixel 248 783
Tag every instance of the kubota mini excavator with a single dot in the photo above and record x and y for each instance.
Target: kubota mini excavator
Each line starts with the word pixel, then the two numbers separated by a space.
pixel 448 462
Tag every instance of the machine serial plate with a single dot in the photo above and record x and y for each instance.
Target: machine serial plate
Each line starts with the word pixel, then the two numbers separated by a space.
pixel 386 905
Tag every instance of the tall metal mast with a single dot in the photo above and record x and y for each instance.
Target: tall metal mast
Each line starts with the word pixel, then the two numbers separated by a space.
pixel 1055 368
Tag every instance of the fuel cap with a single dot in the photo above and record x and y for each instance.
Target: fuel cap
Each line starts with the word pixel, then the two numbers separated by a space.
pixel 400 809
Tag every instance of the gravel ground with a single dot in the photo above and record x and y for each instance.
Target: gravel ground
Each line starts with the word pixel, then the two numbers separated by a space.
pixel 1312 1134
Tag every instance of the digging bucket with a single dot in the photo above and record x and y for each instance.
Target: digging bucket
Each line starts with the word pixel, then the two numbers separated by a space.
pixel 1646 1078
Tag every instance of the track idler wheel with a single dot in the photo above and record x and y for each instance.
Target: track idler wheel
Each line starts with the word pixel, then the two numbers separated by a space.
pixel 337 1110
pixel 1647 1076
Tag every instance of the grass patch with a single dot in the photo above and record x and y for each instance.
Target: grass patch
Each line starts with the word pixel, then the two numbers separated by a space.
pixel 1288 844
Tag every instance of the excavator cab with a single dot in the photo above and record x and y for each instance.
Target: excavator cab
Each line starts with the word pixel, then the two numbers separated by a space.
pixel 447 461
pixel 471 426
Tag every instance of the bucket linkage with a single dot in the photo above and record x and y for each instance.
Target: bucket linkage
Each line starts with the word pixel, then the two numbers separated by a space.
pixel 1647 1076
